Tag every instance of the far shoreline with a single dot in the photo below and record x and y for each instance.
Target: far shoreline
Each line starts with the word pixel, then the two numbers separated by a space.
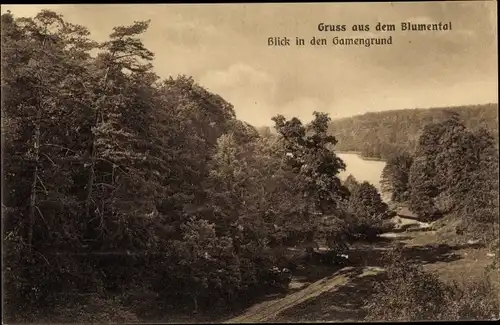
pixel 358 153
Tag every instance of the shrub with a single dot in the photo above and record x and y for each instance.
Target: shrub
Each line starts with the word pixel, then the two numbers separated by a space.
pixel 412 294
pixel 474 300
pixel 409 294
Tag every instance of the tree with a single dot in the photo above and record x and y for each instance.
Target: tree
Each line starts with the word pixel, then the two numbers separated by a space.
pixel 423 173
pixel 365 201
pixel 207 263
pixel 423 190
pixel 351 183
pixel 311 156
pixel 120 63
pixel 249 192
pixel 478 203
pixel 448 161
pixel 395 176
pixel 44 73
pixel 367 211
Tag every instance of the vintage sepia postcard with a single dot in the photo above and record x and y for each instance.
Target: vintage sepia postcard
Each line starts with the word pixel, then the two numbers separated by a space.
pixel 250 163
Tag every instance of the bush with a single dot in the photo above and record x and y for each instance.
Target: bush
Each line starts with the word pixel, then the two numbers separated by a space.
pixel 367 213
pixel 412 294
pixel 95 309
pixel 475 300
pixel 409 294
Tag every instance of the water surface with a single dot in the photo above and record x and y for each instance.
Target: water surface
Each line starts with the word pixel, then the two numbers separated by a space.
pixel 361 169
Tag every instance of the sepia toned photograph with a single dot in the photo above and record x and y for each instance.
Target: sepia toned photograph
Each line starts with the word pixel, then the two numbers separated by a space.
pixel 250 163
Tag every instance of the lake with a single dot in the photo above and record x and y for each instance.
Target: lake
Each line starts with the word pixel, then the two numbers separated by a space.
pixel 362 170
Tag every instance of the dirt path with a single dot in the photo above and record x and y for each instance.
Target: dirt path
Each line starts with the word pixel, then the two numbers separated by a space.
pixel 268 310
pixel 335 284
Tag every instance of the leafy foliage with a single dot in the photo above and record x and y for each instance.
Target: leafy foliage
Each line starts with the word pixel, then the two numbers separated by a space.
pixel 395 176
pixel 310 156
pixel 125 193
pixel 412 294
pixel 136 184
pixel 366 212
pixel 453 171
pixel 450 163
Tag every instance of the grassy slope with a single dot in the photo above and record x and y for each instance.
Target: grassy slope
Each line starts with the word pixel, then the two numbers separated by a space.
pixel 347 302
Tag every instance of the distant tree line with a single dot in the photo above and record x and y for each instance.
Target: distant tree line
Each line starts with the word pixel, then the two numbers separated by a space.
pixel 382 134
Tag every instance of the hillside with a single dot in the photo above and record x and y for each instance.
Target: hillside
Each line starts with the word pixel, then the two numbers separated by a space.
pixel 380 134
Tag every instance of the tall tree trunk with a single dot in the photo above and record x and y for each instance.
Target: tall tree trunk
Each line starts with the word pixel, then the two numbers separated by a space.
pixel 90 182
pixel 32 206
pixel 195 304
pixel 36 147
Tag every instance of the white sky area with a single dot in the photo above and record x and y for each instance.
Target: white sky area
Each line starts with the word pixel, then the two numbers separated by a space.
pixel 224 47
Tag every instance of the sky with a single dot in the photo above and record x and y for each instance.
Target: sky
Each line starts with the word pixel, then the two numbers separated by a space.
pixel 224 48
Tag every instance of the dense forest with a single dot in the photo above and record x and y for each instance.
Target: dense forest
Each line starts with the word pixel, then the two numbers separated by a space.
pixel 127 197
pixel 120 184
pixel 381 134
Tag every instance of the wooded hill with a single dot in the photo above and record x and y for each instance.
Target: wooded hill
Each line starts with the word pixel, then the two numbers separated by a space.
pixel 381 134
